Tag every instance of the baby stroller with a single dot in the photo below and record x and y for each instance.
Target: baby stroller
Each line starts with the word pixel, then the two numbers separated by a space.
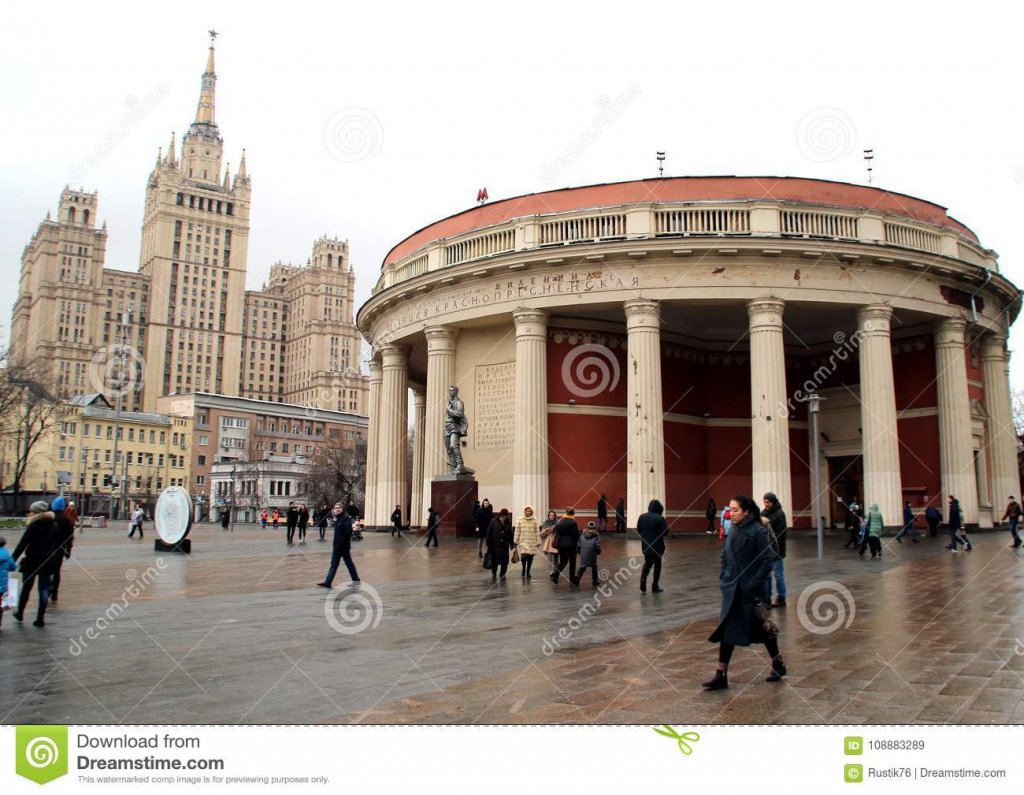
pixel 357 531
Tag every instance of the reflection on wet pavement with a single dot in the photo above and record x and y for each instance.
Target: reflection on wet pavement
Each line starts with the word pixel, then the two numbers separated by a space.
pixel 238 632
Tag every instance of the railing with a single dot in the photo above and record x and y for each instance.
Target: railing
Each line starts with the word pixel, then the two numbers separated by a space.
pixel 585 228
pixel 912 237
pixel 702 221
pixel 480 246
pixel 808 224
pixel 647 221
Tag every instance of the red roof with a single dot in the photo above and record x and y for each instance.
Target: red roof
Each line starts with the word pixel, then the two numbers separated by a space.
pixel 681 189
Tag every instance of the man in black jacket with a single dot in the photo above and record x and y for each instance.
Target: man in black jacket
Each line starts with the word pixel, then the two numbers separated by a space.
pixel 342 548
pixel 567 538
pixel 777 535
pixel 602 515
pixel 396 521
pixel 433 522
pixel 291 519
pixel 652 529
pixel 67 531
pixel 43 546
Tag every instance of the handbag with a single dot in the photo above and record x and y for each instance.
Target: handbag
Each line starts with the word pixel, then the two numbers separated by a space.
pixel 763 617
pixel 515 554
pixel 487 559
pixel 10 599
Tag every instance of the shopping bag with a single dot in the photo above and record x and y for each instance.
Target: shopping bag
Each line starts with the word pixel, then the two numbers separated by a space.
pixel 10 600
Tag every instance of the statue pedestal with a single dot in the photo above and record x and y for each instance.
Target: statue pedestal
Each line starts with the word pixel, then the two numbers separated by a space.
pixel 453 497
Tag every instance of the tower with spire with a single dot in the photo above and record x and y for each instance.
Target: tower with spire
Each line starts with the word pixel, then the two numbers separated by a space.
pixel 195 236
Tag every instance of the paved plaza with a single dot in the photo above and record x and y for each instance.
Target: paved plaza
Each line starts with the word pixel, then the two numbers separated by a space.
pixel 238 633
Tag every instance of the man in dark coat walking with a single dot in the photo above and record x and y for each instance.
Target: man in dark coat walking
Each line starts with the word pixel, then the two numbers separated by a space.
pixel 433 522
pixel 777 535
pixel 342 548
pixel 652 528
pixel 43 546
pixel 291 520
pixel 483 518
pixel 602 515
pixel 396 521
pixel 746 567
pixel 567 538
pixel 500 538
pixel 933 516
pixel 620 516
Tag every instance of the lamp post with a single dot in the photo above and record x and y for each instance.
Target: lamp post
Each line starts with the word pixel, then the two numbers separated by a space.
pixel 232 508
pixel 122 351
pixel 85 474
pixel 813 407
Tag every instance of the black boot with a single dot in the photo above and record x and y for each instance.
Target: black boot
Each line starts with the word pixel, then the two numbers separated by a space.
pixel 778 670
pixel 719 682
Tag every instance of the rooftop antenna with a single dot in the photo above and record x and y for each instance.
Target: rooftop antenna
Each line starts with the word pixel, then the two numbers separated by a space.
pixel 661 164
pixel 869 155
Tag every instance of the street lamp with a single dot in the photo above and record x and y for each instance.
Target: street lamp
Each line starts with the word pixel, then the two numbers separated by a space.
pixel 813 407
pixel 232 508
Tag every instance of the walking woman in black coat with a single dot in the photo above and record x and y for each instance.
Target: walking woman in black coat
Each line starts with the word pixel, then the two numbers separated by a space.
pixel 483 523
pixel 499 542
pixel 747 560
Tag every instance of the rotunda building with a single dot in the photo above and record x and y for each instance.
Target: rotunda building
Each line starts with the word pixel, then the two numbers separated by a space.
pixel 659 339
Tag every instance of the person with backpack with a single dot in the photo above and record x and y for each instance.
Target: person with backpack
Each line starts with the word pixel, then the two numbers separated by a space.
pixel 1012 516
pixel 726 522
pixel 777 535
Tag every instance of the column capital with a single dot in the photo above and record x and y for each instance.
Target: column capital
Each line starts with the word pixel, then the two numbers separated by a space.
pixel 993 347
pixel 394 354
pixel 765 313
pixel 530 322
pixel 440 339
pixel 642 313
pixel 419 394
pixel 949 332
pixel 875 319
pixel 376 370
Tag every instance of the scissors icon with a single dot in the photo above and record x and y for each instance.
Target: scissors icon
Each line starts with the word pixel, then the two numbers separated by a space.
pixel 683 739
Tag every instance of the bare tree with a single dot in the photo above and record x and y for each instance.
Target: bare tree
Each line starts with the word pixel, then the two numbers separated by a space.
pixel 28 412
pixel 337 474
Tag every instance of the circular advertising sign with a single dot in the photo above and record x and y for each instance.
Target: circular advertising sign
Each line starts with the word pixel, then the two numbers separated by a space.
pixel 173 514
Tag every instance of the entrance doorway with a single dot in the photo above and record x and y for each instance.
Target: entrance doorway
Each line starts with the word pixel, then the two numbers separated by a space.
pixel 845 481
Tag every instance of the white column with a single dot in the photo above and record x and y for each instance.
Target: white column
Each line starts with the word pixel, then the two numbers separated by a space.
pixel 418 510
pixel 370 512
pixel 881 449
pixel 769 420
pixel 1001 440
pixel 530 451
pixel 645 441
pixel 440 376
pixel 956 453
pixel 394 421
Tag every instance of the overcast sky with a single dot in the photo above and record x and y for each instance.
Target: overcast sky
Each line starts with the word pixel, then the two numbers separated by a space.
pixel 367 121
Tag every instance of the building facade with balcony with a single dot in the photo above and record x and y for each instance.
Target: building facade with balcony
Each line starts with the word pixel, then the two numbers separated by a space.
pixel 659 339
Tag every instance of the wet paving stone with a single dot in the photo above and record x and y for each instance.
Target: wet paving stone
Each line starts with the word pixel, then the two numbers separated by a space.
pixel 239 633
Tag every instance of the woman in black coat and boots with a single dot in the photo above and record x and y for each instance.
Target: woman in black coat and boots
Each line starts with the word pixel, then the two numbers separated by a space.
pixel 499 542
pixel 42 543
pixel 747 560
pixel 484 515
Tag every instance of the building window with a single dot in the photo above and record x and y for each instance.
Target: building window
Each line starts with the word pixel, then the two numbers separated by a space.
pixel 200 480
pixel 201 460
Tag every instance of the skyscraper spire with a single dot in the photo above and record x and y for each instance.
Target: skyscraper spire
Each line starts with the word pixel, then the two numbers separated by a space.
pixel 205 110
pixel 227 177
pixel 170 151
pixel 241 167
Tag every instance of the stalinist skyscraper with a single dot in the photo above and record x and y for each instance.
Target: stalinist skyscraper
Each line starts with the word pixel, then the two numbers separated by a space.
pixel 195 237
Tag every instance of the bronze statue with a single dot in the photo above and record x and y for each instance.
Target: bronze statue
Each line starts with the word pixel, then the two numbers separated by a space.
pixel 456 425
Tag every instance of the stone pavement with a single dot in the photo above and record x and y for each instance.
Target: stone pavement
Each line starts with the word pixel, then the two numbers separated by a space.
pixel 238 633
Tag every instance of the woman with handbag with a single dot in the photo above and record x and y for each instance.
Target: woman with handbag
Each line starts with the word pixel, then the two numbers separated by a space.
pixel 527 539
pixel 499 542
pixel 547 534
pixel 747 561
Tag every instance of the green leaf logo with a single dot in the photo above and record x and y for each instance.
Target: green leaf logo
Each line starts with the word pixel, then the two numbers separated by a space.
pixel 41 752
pixel 683 739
